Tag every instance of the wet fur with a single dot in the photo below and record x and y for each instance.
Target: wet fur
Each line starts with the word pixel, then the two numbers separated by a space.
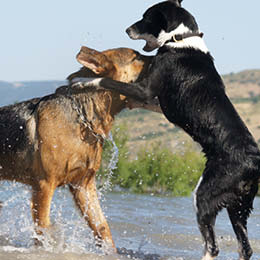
pixel 192 96
pixel 44 142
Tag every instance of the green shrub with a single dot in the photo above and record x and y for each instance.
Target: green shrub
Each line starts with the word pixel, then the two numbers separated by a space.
pixel 158 170
pixel 155 169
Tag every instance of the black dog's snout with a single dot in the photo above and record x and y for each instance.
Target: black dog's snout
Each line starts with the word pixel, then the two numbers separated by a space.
pixel 128 30
pixel 132 32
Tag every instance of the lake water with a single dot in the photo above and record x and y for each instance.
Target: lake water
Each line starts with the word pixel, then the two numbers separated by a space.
pixel 147 226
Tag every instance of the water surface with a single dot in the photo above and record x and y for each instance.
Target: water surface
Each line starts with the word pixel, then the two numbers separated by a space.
pixel 144 226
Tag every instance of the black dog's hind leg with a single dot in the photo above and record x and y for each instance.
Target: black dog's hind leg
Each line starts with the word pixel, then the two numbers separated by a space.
pixel 238 215
pixel 206 225
pixel 206 217
pixel 239 223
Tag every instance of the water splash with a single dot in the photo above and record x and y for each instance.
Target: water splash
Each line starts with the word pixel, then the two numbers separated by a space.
pixel 69 231
pixel 107 186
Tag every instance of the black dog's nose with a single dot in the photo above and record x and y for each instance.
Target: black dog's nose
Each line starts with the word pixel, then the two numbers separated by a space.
pixel 132 32
pixel 128 30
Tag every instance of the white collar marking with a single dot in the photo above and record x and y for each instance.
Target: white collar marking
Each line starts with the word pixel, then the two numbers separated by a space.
pixel 195 42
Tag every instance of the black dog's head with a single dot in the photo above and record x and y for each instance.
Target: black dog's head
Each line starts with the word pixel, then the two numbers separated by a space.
pixel 177 2
pixel 161 22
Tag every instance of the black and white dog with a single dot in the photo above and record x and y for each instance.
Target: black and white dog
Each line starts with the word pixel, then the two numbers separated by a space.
pixel 192 95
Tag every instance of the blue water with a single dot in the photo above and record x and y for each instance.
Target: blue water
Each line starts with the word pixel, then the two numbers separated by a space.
pixel 149 227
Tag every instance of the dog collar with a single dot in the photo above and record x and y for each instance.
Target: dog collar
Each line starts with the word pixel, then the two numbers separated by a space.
pixel 180 37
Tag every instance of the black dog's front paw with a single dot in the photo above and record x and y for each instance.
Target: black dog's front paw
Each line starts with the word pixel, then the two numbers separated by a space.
pixel 87 83
pixel 62 90
pixel 80 86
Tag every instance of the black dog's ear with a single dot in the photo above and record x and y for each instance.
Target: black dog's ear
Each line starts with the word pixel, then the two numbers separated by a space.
pixel 177 2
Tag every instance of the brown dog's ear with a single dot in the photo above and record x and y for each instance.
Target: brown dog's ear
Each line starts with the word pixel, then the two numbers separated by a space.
pixel 95 61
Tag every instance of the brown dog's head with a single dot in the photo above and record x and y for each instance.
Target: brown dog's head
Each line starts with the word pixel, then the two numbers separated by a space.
pixel 120 64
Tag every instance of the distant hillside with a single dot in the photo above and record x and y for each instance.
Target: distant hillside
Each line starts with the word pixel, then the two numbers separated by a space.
pixel 245 84
pixel 246 76
pixel 18 91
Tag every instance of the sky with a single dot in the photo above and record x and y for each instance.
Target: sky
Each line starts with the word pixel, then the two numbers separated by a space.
pixel 40 39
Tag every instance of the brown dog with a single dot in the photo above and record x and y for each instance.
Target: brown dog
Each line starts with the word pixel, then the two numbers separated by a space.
pixel 57 140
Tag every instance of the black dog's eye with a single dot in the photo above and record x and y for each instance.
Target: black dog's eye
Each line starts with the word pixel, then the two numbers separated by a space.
pixel 155 18
pixel 147 19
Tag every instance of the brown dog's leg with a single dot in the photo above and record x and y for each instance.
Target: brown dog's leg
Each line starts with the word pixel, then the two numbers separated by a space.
pixel 85 195
pixel 41 203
